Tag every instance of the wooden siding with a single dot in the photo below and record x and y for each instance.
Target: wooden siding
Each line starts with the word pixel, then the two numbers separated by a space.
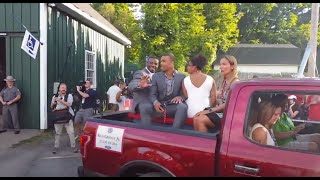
pixel 64 31
pixel 19 64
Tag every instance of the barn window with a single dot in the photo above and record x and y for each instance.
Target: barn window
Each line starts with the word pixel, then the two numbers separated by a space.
pixel 90 68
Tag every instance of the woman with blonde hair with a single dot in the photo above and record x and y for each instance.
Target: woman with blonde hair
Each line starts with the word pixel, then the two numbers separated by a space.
pixel 211 117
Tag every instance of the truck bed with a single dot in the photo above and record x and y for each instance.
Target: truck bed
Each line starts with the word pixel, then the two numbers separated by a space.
pixel 179 150
pixel 133 120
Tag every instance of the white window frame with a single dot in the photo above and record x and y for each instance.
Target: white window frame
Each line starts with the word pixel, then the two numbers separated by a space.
pixel 94 78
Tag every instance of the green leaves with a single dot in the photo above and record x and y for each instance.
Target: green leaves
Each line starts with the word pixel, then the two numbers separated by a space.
pixel 275 23
pixel 187 29
pixel 119 15
pixel 161 28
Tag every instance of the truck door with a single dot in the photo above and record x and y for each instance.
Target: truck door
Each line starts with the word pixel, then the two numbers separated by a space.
pixel 247 158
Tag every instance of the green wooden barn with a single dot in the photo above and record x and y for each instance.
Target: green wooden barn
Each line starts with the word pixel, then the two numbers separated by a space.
pixel 78 44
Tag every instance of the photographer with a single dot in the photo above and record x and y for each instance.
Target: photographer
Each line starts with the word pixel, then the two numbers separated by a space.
pixel 88 104
pixel 60 102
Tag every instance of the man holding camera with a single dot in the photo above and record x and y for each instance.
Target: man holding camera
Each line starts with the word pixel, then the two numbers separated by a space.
pixel 60 102
pixel 88 104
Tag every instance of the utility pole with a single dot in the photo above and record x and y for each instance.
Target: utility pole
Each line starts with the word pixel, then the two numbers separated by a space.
pixel 313 39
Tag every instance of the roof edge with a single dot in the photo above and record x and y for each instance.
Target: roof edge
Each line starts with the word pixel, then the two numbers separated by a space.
pixel 245 45
pixel 69 8
pixel 239 64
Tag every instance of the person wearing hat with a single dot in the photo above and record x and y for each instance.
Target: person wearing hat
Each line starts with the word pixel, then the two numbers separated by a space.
pixel 9 96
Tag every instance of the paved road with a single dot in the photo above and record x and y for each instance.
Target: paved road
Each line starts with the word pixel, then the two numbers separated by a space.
pixel 37 160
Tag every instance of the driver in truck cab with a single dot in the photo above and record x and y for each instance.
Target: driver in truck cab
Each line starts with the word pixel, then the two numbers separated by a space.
pixel 287 134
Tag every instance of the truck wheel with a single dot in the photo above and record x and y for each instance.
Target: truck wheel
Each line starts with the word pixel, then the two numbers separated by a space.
pixel 153 174
pixel 81 171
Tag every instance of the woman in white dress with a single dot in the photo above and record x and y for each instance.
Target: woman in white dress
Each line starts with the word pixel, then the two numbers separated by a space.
pixel 198 88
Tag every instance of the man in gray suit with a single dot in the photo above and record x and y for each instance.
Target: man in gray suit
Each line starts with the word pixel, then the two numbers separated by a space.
pixel 166 94
pixel 141 83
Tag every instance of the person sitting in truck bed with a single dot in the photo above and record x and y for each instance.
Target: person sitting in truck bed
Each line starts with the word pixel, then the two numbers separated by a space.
pixel 287 134
pixel 198 88
pixel 211 117
pixel 141 84
pixel 166 95
pixel 262 131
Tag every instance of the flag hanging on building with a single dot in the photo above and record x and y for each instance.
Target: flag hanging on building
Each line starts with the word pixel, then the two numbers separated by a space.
pixel 30 44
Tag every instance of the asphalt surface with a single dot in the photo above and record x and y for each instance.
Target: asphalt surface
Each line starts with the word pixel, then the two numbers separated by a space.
pixel 35 159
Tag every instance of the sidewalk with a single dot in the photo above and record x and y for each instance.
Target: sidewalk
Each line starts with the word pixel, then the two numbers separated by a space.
pixel 7 139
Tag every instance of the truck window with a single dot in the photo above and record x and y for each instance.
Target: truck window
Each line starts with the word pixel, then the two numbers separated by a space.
pixel 284 119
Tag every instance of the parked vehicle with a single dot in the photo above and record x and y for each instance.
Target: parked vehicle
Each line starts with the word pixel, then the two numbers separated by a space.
pixel 116 145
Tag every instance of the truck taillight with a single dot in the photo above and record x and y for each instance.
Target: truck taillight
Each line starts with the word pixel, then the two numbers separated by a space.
pixel 84 140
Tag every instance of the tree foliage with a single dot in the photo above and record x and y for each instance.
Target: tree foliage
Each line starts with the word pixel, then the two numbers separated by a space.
pixel 274 23
pixel 120 16
pixel 187 29
pixel 222 20
pixel 160 27
pixel 107 10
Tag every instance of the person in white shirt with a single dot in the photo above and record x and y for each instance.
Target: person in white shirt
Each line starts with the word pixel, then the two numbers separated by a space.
pixel 198 88
pixel 112 94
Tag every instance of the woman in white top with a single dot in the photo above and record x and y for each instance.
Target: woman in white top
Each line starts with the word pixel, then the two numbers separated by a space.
pixel 198 88
pixel 267 116
pixel 211 117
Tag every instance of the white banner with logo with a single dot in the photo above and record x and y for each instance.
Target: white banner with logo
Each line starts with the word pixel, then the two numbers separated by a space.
pixel 30 44
pixel 109 138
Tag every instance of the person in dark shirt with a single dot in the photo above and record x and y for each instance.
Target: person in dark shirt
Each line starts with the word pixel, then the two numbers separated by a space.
pixel 86 110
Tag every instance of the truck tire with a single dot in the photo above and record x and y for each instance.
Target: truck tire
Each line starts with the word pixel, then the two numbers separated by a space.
pixel 153 174
pixel 81 171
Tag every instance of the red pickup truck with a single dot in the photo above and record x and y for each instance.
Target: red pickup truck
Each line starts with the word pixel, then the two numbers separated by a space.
pixel 116 145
